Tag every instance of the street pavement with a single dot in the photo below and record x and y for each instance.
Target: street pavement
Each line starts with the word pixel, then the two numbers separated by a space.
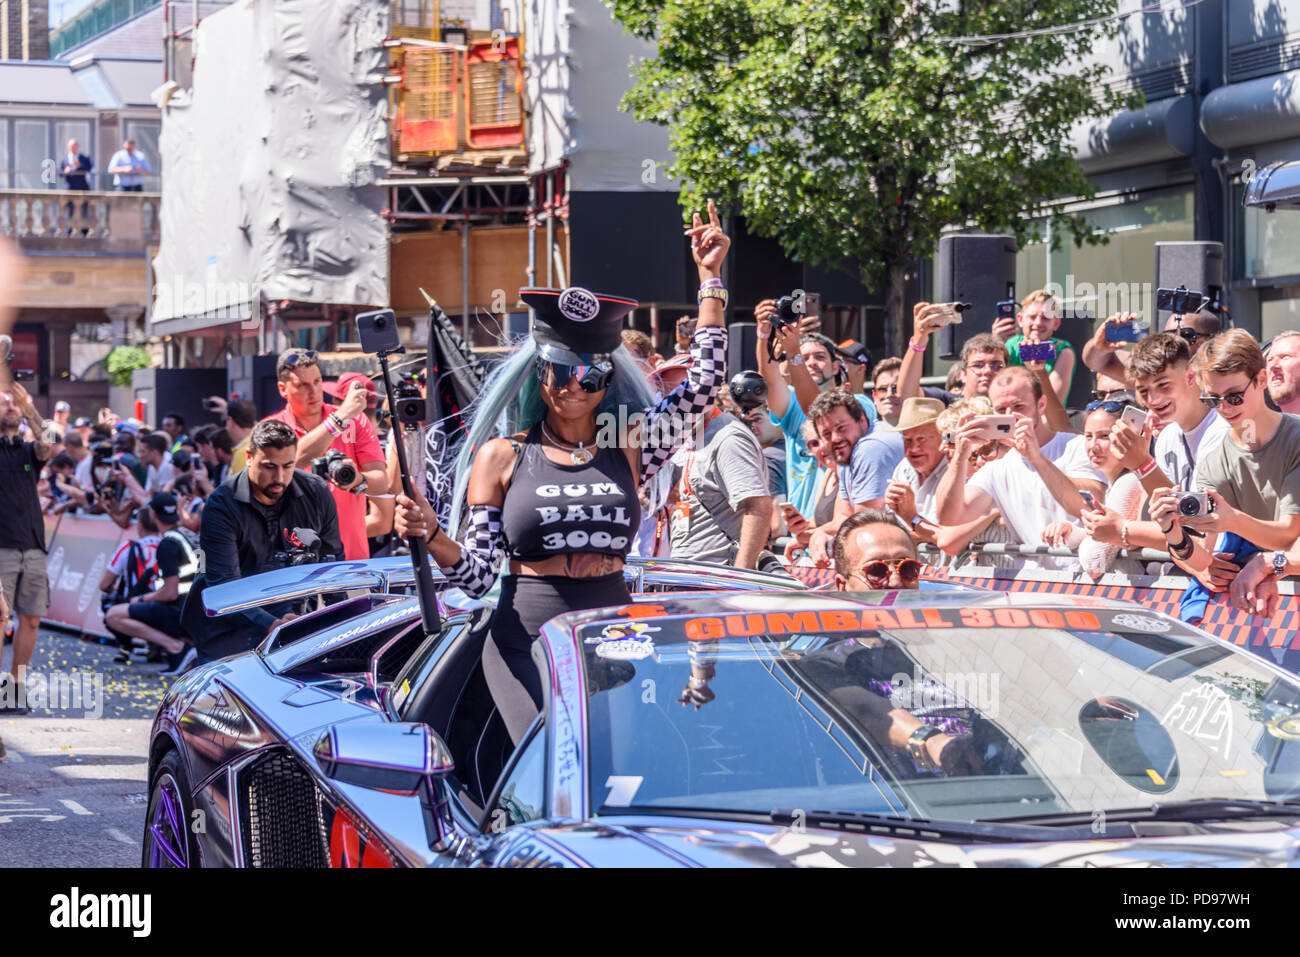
pixel 73 786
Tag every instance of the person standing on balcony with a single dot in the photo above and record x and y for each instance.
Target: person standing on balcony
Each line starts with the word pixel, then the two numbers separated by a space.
pixel 77 167
pixel 129 167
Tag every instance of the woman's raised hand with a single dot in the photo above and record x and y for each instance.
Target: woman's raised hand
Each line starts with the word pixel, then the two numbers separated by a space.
pixel 709 244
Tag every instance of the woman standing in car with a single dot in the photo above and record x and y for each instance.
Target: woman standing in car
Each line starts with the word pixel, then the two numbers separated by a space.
pixel 559 495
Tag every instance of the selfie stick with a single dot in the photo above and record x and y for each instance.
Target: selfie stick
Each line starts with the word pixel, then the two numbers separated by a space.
pixel 419 552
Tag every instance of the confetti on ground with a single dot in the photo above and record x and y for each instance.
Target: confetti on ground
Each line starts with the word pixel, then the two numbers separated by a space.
pixel 131 690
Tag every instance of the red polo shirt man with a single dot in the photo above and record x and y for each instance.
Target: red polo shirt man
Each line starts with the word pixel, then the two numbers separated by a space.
pixel 321 427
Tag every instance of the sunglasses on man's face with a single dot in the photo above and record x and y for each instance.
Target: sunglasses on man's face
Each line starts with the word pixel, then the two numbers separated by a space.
pixel 887 389
pixel 991 366
pixel 1232 398
pixel 877 574
pixel 985 453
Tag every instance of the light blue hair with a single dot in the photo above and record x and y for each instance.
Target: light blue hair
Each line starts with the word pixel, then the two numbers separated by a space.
pixel 511 401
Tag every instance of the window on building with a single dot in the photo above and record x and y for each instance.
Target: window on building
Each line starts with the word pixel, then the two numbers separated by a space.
pixel 146 133
pixel 1118 276
pixel 31 153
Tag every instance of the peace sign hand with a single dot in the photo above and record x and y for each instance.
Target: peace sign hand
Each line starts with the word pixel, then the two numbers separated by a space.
pixel 709 244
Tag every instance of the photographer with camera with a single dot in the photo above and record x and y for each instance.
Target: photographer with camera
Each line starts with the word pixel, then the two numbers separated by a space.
pixel 1248 485
pixel 337 443
pixel 269 516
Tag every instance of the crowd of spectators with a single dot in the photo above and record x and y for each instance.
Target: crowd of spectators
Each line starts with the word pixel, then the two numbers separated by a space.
pixel 994 469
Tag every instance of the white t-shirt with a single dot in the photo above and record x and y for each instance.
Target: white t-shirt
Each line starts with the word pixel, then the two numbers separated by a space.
pixel 1177 452
pixel 926 505
pixel 159 476
pixel 84 479
pixel 1026 504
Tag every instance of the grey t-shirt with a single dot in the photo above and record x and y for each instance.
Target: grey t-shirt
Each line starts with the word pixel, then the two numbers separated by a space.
pixel 1264 483
pixel 874 458
pixel 727 469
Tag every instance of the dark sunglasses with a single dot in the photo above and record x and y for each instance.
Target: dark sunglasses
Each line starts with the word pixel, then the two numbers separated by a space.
pixel 1191 335
pixel 986 452
pixel 1113 407
pixel 1232 398
pixel 877 574
pixel 291 359
pixel 593 376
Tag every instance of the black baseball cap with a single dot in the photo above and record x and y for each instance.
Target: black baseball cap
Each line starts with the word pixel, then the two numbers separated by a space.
pixel 164 506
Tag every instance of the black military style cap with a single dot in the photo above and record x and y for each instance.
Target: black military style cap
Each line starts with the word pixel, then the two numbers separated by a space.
pixel 576 320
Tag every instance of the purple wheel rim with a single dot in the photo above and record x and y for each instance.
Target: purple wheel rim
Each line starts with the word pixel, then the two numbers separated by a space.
pixel 168 844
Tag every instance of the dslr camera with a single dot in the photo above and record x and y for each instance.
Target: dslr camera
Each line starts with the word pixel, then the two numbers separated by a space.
pixel 334 467
pixel 1195 504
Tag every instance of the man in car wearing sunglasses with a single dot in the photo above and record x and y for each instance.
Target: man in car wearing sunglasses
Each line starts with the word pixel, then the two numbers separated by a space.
pixel 321 428
pixel 1252 477
pixel 873 549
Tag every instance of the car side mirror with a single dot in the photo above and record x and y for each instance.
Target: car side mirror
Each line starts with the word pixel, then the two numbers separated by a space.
pixel 389 757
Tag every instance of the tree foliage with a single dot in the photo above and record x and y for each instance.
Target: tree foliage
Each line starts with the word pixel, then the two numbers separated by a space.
pixel 123 360
pixel 854 132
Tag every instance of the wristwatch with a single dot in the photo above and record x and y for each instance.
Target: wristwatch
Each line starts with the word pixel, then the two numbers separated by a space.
pixel 917 519
pixel 916 749
pixel 796 360
pixel 1279 564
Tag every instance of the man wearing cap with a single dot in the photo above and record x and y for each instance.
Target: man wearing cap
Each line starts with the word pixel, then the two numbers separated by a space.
pixel 84 427
pixel 912 487
pixel 60 421
pixel 156 616
pixel 322 427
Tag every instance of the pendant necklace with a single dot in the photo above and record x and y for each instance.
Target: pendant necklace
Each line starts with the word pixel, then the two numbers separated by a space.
pixel 578 454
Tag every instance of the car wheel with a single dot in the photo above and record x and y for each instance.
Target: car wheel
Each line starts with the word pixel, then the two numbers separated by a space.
pixel 167 838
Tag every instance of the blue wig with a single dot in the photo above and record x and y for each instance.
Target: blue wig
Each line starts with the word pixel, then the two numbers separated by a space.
pixel 511 401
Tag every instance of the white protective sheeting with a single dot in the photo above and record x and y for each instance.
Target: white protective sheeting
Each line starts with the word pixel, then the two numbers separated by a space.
pixel 271 161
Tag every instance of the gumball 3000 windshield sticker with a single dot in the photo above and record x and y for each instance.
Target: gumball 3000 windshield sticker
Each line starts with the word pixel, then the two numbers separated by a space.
pixel 1139 623
pixel 624 641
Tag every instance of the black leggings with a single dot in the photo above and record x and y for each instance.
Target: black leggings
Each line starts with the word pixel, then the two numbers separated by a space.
pixel 527 602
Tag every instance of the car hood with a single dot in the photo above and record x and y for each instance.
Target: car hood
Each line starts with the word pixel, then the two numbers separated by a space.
pixel 669 842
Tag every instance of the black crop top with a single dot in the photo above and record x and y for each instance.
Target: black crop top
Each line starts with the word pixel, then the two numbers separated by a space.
pixel 552 509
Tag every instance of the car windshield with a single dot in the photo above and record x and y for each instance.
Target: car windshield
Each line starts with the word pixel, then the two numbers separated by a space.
pixel 943 713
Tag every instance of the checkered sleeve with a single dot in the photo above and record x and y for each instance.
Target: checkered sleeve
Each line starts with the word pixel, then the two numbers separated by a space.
pixel 685 403
pixel 480 554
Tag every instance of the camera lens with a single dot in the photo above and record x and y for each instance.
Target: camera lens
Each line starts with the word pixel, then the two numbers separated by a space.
pixel 1189 505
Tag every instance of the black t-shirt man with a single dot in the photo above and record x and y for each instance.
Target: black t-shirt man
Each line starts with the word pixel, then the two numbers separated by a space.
pixel 20 469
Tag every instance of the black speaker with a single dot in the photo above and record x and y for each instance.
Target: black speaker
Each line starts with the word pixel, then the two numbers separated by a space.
pixel 1196 265
pixel 253 377
pixel 980 270
pixel 742 340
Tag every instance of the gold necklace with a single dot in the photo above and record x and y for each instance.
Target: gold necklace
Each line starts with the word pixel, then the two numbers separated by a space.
pixel 578 454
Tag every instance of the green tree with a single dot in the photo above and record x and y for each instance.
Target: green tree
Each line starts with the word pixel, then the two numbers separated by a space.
pixel 124 360
pixel 853 132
